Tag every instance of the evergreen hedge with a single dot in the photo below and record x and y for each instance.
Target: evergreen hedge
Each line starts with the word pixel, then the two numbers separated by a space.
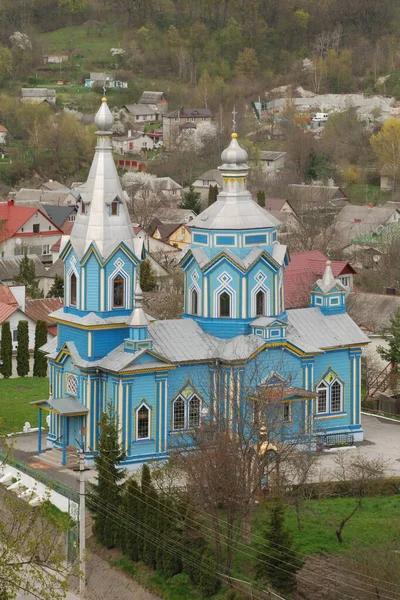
pixel 23 349
pixel 6 350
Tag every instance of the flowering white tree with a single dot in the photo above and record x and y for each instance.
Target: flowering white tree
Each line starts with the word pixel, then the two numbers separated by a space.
pixel 197 139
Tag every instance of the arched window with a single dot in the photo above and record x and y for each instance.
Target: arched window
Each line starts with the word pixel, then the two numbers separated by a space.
pixel 224 305
pixel 179 414
pixel 143 423
pixel 260 303
pixel 72 289
pixel 194 412
pixel 336 397
pixel 322 391
pixel 195 302
pixel 114 208
pixel 118 291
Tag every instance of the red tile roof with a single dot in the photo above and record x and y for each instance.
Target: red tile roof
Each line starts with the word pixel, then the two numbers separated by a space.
pixel 13 217
pixel 274 203
pixel 6 296
pixel 303 271
pixel 39 310
pixel 6 311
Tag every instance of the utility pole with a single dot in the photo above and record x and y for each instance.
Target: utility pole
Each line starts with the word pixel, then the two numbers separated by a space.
pixel 82 524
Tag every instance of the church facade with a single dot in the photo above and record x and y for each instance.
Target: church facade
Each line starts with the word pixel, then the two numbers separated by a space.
pixel 162 378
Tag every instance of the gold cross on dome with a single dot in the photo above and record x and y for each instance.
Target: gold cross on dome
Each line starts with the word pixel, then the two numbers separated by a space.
pixel 234 113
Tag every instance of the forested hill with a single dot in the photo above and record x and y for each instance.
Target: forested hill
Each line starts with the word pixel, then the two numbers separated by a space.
pixel 325 45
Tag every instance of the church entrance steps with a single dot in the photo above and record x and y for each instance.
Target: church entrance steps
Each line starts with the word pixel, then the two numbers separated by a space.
pixel 53 457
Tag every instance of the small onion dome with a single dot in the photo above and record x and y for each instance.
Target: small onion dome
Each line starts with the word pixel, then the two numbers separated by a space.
pixel 103 118
pixel 234 154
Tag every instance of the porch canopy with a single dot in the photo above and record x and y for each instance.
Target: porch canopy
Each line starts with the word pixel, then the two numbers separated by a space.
pixel 282 393
pixel 65 407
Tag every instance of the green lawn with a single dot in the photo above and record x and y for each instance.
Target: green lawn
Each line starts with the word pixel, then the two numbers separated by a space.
pixel 95 44
pixel 372 525
pixel 15 396
pixel 361 193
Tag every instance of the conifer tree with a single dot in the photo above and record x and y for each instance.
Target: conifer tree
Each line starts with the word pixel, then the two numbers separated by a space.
pixel 277 562
pixel 27 277
pixel 151 523
pixel 133 508
pixel 6 350
pixel 57 289
pixel 39 359
pixel 105 499
pixel 212 194
pixel 391 353
pixel 23 349
pixel 261 198
pixel 191 200
pixel 208 581
pixel 194 544
pixel 147 276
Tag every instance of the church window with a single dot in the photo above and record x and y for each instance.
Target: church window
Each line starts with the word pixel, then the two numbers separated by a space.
pixel 194 412
pixel 195 302
pixel 118 291
pixel 336 397
pixel 260 303
pixel 114 208
pixel 83 208
pixel 72 289
pixel 286 413
pixel 322 398
pixel 71 384
pixel 224 305
pixel 179 414
pixel 143 423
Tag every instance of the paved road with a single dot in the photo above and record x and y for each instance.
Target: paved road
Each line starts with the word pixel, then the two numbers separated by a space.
pixel 22 596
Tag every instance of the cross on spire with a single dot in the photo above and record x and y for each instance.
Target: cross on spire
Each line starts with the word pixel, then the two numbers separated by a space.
pixel 234 113
pixel 104 89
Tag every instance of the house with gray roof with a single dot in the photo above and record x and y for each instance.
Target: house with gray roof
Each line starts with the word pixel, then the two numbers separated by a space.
pixel 174 121
pixel 141 113
pixel 135 142
pixel 104 80
pixel 38 95
pixel 270 162
pixel 156 100
pixel 202 183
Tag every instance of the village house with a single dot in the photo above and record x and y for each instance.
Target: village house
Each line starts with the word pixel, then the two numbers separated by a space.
pixel 54 59
pixel 3 134
pixel 285 214
pixel 270 162
pixel 164 187
pixel 183 117
pixel 62 216
pixel 26 231
pixel 135 142
pixel 59 197
pixel 303 271
pixel 52 185
pixel 140 113
pixel 104 80
pixel 38 95
pixel 156 100
pixel 202 184
pixel 174 234
pixel 327 200
pixel 10 268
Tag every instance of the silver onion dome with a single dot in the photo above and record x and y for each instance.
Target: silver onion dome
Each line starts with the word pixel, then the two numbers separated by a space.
pixel 103 118
pixel 234 154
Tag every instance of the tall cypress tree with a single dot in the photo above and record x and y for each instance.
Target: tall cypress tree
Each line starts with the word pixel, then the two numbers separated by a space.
pixel 191 200
pixel 105 499
pixel 261 198
pixel 27 277
pixel 277 562
pixel 152 528
pixel 39 359
pixel 6 350
pixel 147 276
pixel 133 508
pixel 212 194
pixel 23 349
pixel 194 543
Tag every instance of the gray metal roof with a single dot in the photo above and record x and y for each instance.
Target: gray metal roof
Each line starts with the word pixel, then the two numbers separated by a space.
pixel 312 331
pixel 182 340
pixel 101 188
pixel 64 406
pixel 270 155
pixel 355 220
pixel 149 97
pixel 58 214
pixel 372 311
pixel 140 109
pixel 37 92
pixel 9 268
pixel 211 175
pixel 54 197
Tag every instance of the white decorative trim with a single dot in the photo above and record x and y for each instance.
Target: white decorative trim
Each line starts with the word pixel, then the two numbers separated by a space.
pixel 244 298
pixel 195 286
pixel 90 345
pixel 102 295
pixel 225 279
pixel 73 269
pixel 136 421
pixel 205 298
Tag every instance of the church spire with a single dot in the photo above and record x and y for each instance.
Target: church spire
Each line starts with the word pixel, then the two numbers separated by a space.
pixel 103 218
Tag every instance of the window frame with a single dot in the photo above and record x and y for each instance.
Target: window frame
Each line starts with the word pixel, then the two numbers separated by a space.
pixel 70 377
pixel 73 299
pixel 286 406
pixel 340 399
pixel 222 316
pixel 36 228
pixel 194 302
pixel 190 425
pixel 264 298
pixel 137 419
pixel 182 402
pixel 114 206
pixel 118 278
pixel 322 386
pixel 44 250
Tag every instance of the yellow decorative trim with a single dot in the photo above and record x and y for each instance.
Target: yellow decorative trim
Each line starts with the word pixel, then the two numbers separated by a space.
pixel 148 370
pixel 78 326
pixel 324 418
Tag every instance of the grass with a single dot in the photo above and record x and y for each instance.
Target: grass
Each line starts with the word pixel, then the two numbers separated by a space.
pixel 15 396
pixel 362 193
pixel 372 525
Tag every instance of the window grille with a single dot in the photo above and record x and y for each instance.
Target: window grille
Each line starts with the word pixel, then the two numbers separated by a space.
pixel 179 414
pixel 143 422
pixel 194 412
pixel 336 397
pixel 71 384
pixel 322 398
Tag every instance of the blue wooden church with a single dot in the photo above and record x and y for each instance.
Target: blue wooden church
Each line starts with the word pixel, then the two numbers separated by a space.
pixel 234 338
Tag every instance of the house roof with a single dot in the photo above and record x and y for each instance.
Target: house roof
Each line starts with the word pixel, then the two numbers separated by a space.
pixel 212 175
pixel 275 204
pixel 6 296
pixel 3 129
pixel 148 97
pixel 317 194
pixel 139 109
pixel 37 92
pixel 58 214
pixel 57 268
pixel 304 269
pixel 164 229
pixel 12 218
pixel 6 310
pixel 39 310
pixel 63 406
pixel 55 197
pixel 190 112
pixel 175 215
pixel 53 185
pixel 270 155
pixel 372 311
pixel 124 138
pixel 9 268
pixel 101 76
pixel 354 221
